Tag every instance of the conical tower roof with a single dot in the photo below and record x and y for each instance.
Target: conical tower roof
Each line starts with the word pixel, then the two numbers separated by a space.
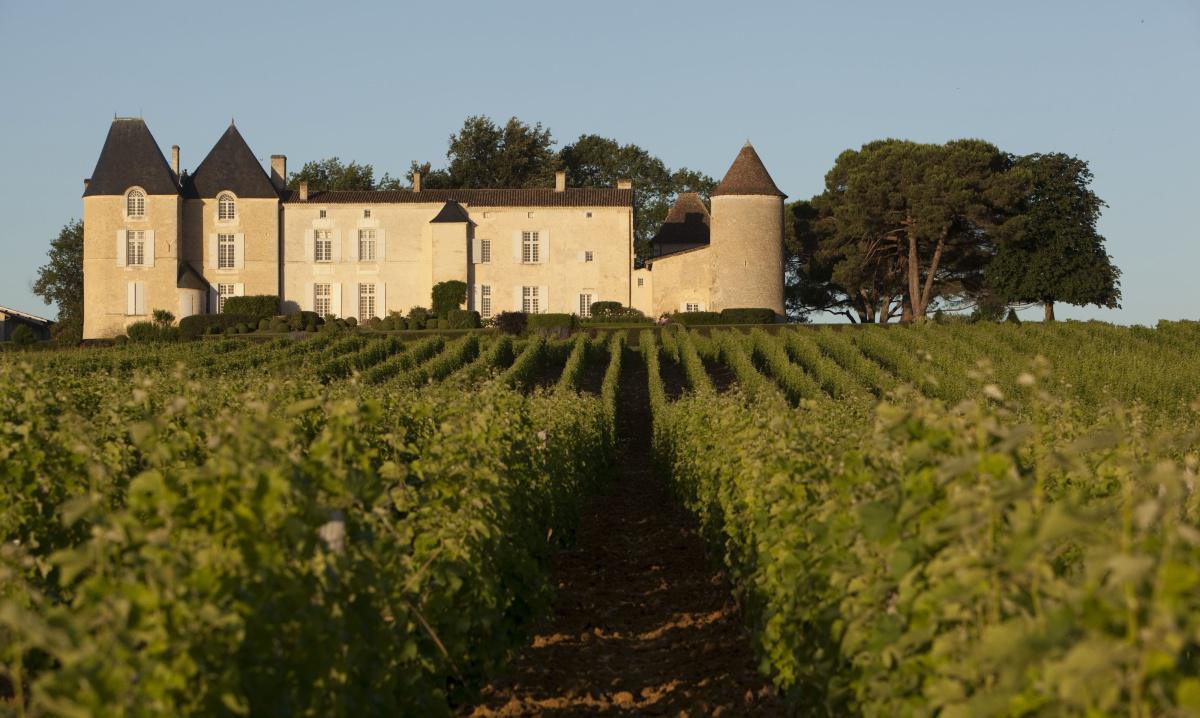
pixel 131 157
pixel 230 165
pixel 747 175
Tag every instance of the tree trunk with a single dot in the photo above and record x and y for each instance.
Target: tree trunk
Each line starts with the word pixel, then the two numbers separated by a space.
pixel 921 303
pixel 906 309
pixel 1049 311
pixel 911 305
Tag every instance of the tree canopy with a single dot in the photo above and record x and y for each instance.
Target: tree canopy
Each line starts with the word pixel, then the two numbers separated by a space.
pixel 333 174
pixel 60 281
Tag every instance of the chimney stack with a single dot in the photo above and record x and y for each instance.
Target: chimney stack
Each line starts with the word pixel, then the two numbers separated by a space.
pixel 304 191
pixel 624 184
pixel 560 181
pixel 175 159
pixel 416 179
pixel 86 181
pixel 279 171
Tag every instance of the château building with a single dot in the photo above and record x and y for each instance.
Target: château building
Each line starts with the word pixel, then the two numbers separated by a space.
pixel 156 238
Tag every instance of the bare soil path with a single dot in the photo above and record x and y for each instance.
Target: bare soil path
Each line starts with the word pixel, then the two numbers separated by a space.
pixel 643 622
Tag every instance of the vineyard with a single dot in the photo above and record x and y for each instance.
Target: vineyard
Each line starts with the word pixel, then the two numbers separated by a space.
pixel 954 520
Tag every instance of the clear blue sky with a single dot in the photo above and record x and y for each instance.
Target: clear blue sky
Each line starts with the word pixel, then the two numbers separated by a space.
pixel 1117 83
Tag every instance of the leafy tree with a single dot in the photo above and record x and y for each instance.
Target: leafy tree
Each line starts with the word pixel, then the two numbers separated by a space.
pixel 448 296
pixel 483 154
pixel 333 174
pixel 1050 250
pixel 61 280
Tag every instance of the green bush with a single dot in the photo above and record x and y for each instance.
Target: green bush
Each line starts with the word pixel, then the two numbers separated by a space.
pixel 200 324
pixel 351 321
pixel 463 319
pixel 448 296
pixel 558 325
pixel 753 315
pixel 259 306
pixel 510 322
pixel 417 316
pixel 23 336
pixel 615 312
pixel 693 319
pixel 442 324
pixel 151 332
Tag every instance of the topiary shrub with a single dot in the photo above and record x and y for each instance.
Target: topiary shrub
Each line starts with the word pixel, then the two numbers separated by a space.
pixel 753 315
pixel 260 306
pixel 200 324
pixel 556 325
pixel 151 332
pixel 448 296
pixel 417 316
pixel 694 319
pixel 463 319
pixel 510 322
pixel 351 321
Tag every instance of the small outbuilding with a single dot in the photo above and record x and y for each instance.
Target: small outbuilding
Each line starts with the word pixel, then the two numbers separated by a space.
pixel 10 319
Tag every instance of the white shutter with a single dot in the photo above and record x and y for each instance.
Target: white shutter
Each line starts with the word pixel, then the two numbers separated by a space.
pixel 355 244
pixel 140 298
pixel 185 304
pixel 149 250
pixel 337 245
pixel 582 257
pixel 306 302
pixel 380 245
pixel 476 250
pixel 381 300
pixel 544 249
pixel 239 251
pixel 310 238
pixel 516 250
pixel 518 306
pixel 335 299
pixel 212 251
pixel 543 300
pixel 131 298
pixel 121 247
pixel 239 290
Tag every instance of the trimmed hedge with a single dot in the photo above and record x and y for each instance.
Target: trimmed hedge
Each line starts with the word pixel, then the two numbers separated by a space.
pixel 151 332
pixel 259 306
pixel 693 319
pixel 463 319
pixel 200 324
pixel 752 315
pixel 559 325
pixel 614 312
pixel 510 322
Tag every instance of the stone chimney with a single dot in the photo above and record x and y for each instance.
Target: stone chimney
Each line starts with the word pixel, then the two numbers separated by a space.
pixel 560 181
pixel 279 171
pixel 416 179
pixel 175 159
pixel 304 191
pixel 624 184
pixel 86 181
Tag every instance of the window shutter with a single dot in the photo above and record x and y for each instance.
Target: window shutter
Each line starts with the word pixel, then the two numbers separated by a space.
pixel 239 290
pixel 355 245
pixel 543 300
pixel 337 245
pixel 306 302
pixel 516 249
pixel 149 248
pixel 185 304
pixel 381 300
pixel 380 245
pixel 239 251
pixel 212 251
pixel 544 247
pixel 335 299
pixel 310 239
pixel 121 247
pixel 476 250
pixel 582 257
pixel 131 298
pixel 140 298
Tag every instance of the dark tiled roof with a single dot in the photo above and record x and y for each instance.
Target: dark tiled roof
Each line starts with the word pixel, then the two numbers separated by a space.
pixel 747 175
pixel 31 318
pixel 537 197
pixel 451 212
pixel 686 226
pixel 230 165
pixel 189 278
pixel 131 157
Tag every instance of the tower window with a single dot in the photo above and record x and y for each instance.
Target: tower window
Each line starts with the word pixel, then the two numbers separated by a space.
pixel 226 252
pixel 226 207
pixel 135 248
pixel 485 251
pixel 135 204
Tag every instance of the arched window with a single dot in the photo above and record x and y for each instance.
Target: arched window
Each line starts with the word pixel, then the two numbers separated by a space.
pixel 135 204
pixel 226 207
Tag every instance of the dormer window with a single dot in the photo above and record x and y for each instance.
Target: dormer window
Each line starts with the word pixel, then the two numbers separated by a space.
pixel 135 204
pixel 226 207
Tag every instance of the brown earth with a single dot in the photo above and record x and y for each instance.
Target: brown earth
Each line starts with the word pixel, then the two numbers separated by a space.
pixel 643 621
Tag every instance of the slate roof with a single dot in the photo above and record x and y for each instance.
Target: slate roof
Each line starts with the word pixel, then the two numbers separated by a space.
pixel 747 175
pixel 189 278
pixel 686 226
pixel 535 197
pixel 131 157
pixel 452 212
pixel 230 165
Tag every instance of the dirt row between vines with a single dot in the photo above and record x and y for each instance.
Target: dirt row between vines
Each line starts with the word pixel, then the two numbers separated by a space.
pixel 643 621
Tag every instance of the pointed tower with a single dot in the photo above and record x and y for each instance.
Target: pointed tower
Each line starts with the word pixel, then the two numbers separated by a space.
pixel 231 225
pixel 131 228
pixel 747 237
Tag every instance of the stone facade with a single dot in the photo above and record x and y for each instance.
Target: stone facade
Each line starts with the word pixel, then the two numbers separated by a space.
pixel 231 229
